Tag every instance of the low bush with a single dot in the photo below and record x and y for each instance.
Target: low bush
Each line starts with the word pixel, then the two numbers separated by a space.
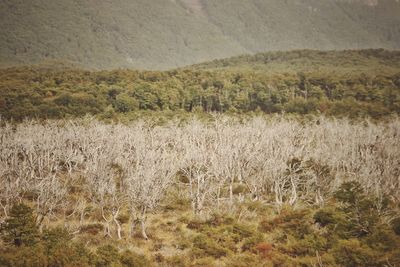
pixel 294 222
pixel 325 217
pixel 264 250
pixel 249 244
pixel 92 228
pixel 132 259
pixel 353 253
pixel 245 260
pixel 243 231
pixel 106 255
pixel 204 246
pixel 177 261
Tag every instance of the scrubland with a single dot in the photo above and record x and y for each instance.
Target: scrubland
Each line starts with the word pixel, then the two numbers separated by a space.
pixel 263 191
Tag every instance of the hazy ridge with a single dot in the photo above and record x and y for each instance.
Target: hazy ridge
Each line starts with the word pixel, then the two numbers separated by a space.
pixel 160 34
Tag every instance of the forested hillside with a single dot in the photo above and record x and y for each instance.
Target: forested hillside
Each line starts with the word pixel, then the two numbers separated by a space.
pixel 163 34
pixel 347 83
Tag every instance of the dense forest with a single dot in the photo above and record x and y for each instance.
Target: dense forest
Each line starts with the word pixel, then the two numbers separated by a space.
pixel 346 83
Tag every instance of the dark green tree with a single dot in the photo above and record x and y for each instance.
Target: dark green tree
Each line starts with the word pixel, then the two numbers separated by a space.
pixel 359 207
pixel 20 228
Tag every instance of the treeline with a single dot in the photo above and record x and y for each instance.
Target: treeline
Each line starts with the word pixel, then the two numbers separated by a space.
pixel 367 60
pixel 36 92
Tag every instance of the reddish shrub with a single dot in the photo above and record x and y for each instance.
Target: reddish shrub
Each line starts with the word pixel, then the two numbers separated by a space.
pixel 264 250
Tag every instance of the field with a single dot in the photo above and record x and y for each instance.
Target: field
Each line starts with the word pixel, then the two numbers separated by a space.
pixel 264 191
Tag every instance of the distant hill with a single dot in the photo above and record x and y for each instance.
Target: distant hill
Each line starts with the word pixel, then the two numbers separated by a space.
pixel 163 34
pixel 355 61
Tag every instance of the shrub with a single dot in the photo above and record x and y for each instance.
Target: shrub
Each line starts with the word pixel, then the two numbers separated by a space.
pixel 257 206
pixel 92 229
pixel 244 260
pixel 176 202
pixel 106 255
pixel 243 231
pixel 305 246
pixel 325 217
pixel 177 261
pixel 264 250
pixel 70 255
pixel 195 224
pixel 352 253
pixel 218 219
pixel 205 246
pixel 383 239
pixel 20 228
pixel 24 256
pixel 132 259
pixel 359 208
pixel 293 222
pixel 56 237
pixel 249 244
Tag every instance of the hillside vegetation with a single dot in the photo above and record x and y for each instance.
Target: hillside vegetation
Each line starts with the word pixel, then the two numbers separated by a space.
pixel 277 159
pixel 164 34
pixel 347 83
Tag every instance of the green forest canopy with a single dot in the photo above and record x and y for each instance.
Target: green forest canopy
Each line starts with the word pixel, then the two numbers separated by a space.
pixel 339 83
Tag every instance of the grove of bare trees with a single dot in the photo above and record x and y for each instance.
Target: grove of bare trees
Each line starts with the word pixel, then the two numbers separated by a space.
pixel 70 168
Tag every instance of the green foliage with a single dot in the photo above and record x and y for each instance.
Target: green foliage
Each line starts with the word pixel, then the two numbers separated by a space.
pixel 243 231
pixel 244 260
pixel 177 261
pixel 353 253
pixel 55 236
pixel 359 208
pixel 20 228
pixel 62 254
pixel 132 259
pixel 250 243
pixel 293 237
pixel 23 256
pixel 107 255
pixel 301 106
pixel 125 103
pixel 333 89
pixel 28 248
pixel 294 222
pixel 207 246
pixel 192 31
pixel 325 217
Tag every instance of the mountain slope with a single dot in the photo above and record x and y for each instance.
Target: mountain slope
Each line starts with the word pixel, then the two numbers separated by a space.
pixel 161 34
